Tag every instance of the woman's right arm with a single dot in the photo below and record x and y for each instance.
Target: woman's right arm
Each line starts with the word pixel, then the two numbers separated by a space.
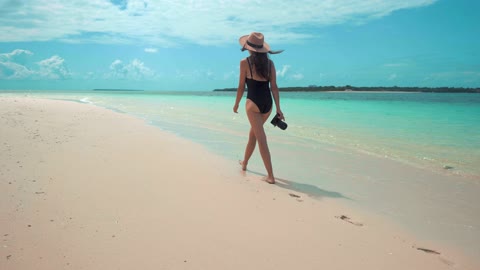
pixel 241 85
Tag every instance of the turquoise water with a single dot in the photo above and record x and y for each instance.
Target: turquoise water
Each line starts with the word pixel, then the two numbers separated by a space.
pixel 429 130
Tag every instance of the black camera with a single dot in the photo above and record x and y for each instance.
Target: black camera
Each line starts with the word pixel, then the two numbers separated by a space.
pixel 277 122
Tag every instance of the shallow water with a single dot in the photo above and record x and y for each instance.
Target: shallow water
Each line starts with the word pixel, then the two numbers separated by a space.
pixel 430 130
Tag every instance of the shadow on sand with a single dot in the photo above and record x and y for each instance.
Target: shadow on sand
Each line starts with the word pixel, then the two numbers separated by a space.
pixel 311 190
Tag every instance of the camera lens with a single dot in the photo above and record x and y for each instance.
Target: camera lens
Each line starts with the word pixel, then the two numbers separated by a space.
pixel 282 125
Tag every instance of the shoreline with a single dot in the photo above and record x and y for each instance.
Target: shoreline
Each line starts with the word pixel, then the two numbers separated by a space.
pixel 373 89
pixel 91 188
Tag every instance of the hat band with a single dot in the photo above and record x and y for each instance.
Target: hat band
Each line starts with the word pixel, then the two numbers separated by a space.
pixel 254 45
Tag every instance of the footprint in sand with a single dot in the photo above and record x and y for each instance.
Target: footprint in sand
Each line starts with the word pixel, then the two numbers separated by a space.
pixel 294 195
pixel 431 251
pixel 347 219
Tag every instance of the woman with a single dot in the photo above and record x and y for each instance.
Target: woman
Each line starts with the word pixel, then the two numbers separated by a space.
pixel 258 72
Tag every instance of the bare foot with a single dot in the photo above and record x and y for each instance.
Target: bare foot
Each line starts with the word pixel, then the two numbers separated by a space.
pixel 244 165
pixel 269 179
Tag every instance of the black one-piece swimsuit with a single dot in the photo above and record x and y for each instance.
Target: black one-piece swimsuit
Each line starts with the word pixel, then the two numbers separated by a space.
pixel 259 92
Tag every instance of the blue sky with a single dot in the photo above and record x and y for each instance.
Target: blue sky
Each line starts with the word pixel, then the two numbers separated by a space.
pixel 193 45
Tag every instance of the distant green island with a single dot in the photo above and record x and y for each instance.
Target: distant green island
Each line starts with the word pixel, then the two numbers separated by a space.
pixel 349 88
pixel 117 90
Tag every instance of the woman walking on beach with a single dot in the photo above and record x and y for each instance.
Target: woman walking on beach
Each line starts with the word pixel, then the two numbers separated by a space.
pixel 258 72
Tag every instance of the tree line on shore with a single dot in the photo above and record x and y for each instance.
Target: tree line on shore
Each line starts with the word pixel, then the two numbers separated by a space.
pixel 348 88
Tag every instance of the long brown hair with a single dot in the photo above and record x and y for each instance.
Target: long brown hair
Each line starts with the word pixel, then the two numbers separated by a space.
pixel 261 63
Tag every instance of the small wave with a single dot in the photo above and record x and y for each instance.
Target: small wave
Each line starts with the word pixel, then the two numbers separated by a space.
pixel 86 100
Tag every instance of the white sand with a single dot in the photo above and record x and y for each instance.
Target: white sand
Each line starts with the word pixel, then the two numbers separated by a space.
pixel 87 188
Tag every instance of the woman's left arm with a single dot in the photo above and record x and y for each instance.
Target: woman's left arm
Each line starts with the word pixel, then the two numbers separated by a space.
pixel 274 88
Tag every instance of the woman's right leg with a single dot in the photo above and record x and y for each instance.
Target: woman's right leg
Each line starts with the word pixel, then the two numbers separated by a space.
pixel 252 141
pixel 256 121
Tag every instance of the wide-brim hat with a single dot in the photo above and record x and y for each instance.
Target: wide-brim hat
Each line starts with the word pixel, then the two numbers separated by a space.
pixel 255 42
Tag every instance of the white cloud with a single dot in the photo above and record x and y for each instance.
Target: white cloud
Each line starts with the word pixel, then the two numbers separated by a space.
pixel 297 76
pixel 15 66
pixel 230 75
pixel 90 75
pixel 168 23
pixel 14 71
pixel 18 56
pixel 210 75
pixel 12 65
pixel 53 68
pixel 283 71
pixel 151 50
pixel 135 70
pixel 392 77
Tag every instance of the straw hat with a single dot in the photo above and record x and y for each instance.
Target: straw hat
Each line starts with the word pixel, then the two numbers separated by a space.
pixel 255 42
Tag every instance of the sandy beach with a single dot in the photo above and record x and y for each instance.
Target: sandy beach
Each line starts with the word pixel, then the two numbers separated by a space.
pixel 87 188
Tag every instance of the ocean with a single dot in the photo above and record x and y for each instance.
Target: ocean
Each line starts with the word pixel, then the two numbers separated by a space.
pixel 335 144
pixel 438 131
